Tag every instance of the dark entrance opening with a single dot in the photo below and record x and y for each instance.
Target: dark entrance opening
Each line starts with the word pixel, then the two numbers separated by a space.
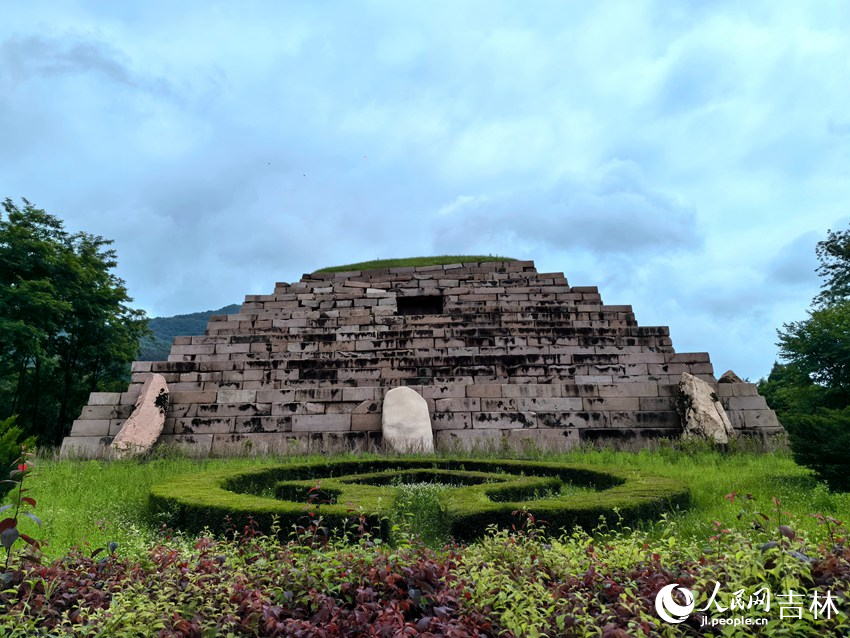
pixel 425 305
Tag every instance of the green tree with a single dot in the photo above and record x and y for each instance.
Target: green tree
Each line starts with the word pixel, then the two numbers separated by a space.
pixel 789 390
pixel 834 256
pixel 819 348
pixel 811 390
pixel 65 327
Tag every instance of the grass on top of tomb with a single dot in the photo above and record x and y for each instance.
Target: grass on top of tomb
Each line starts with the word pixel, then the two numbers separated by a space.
pixel 439 260
pixel 94 502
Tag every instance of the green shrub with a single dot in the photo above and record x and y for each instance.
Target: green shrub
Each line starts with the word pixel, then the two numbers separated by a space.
pixel 11 441
pixel 420 510
pixel 484 493
pixel 821 441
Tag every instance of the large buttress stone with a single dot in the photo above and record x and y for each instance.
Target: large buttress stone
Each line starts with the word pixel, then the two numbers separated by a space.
pixel 405 422
pixel 141 430
pixel 701 412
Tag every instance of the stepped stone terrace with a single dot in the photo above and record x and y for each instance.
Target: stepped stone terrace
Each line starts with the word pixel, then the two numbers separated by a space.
pixel 504 356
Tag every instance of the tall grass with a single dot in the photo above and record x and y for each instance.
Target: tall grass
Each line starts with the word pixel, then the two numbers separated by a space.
pixel 89 503
pixel 712 475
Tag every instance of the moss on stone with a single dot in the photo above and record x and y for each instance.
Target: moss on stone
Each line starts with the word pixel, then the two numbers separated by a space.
pixel 439 260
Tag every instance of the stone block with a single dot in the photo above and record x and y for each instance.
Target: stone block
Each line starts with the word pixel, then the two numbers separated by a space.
pixel 444 391
pixel 86 447
pixel 203 425
pixel 198 445
pixel 370 422
pixel 688 357
pixel 549 404
pixel 756 419
pixel 601 379
pixel 560 440
pixel 457 405
pixel 262 424
pixel 638 389
pixel 527 390
pixel 284 409
pixel 321 422
pixel 451 420
pixel 653 404
pixel 233 409
pixel 319 394
pixel 369 406
pixel 744 389
pixel 580 420
pixel 484 390
pixel 358 394
pixel 311 407
pixel 104 398
pixel 260 444
pixel 182 410
pixel 192 397
pixel 745 403
pixel 612 403
pixel 90 427
pixel 499 405
pixel 504 420
pixel 468 440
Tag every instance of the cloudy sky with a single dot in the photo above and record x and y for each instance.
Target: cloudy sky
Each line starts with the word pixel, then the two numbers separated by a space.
pixel 684 156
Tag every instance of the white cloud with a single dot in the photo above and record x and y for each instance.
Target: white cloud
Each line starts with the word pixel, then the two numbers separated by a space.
pixel 684 157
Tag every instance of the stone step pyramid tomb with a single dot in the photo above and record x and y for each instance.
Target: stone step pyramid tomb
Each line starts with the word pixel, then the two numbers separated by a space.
pixel 503 355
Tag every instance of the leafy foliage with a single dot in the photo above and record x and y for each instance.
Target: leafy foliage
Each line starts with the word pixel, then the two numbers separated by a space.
pixel 11 442
pixel 821 441
pixel 512 583
pixel 834 256
pixel 789 390
pixel 811 391
pixel 65 328
pixel 20 506
pixel 819 348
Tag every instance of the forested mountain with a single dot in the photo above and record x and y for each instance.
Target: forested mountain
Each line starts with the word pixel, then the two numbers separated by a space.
pixel 164 329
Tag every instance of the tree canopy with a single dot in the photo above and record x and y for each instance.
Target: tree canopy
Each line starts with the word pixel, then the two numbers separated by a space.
pixel 816 351
pixel 65 326
pixel 834 256
pixel 811 390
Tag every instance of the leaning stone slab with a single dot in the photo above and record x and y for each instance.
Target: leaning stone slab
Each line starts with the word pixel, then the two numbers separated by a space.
pixel 701 412
pixel 405 422
pixel 141 430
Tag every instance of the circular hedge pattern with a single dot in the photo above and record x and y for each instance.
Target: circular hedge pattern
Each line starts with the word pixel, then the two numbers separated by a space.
pixel 484 493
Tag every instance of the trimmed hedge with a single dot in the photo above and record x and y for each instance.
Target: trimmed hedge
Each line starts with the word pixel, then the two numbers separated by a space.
pixel 485 492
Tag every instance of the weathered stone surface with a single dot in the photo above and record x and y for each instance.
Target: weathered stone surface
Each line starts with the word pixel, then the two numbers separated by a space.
pixel 406 423
pixel 141 430
pixel 701 412
pixel 730 377
pixel 508 355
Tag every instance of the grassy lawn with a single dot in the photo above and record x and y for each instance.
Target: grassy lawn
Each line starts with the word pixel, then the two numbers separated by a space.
pixel 508 584
pixel 90 503
pixel 438 260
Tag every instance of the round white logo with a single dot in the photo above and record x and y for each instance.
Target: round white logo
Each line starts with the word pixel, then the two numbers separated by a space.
pixel 671 611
